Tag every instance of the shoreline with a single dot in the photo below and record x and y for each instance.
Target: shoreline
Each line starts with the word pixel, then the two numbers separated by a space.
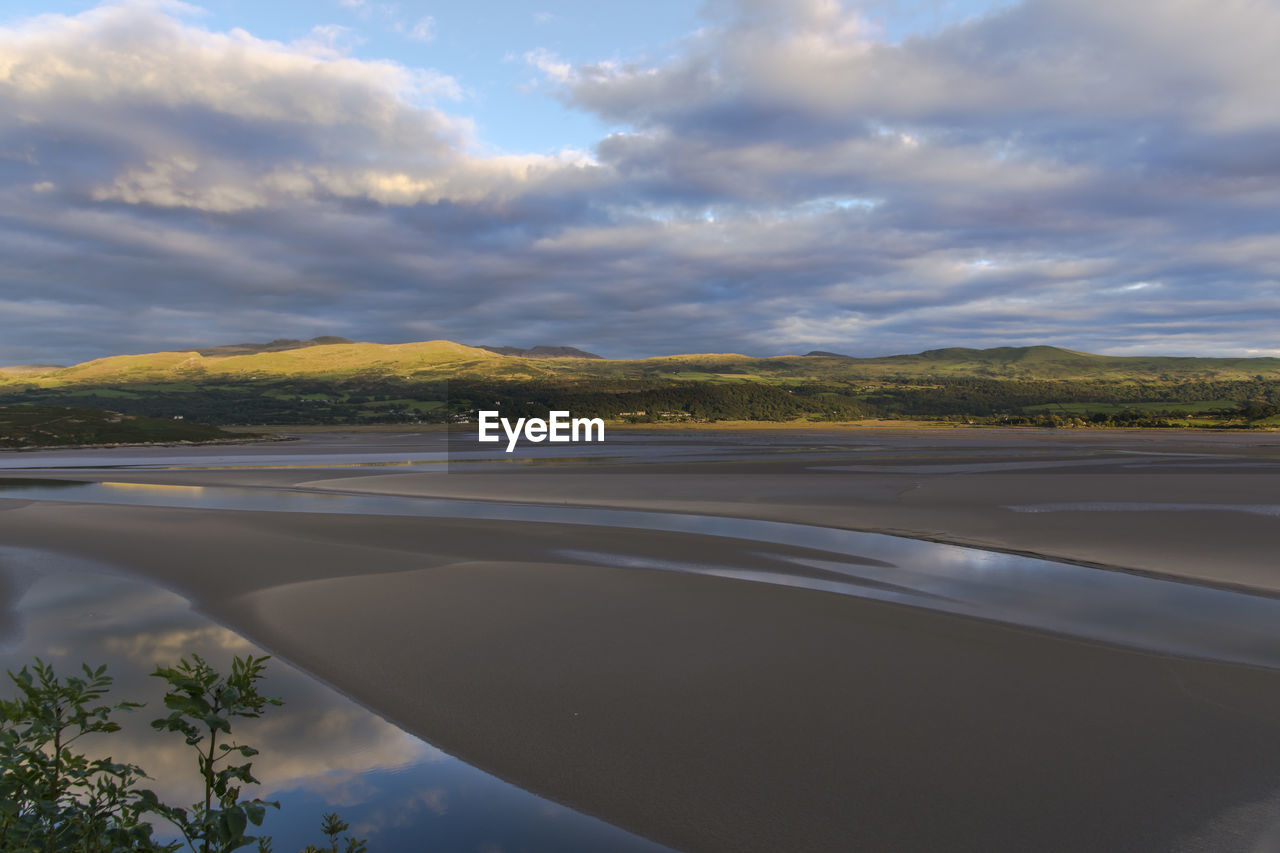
pixel 126 444
pixel 900 425
pixel 876 424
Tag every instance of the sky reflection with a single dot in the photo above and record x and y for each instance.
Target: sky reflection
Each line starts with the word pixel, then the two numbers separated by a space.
pixel 319 752
pixel 1143 612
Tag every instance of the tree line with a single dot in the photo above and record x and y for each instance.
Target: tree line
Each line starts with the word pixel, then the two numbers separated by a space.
pixel 382 399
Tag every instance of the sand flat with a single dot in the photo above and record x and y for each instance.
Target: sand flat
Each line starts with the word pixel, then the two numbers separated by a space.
pixel 713 714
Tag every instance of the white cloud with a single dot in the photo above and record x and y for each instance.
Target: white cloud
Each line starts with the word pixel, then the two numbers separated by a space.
pixel 555 68
pixel 424 29
pixel 160 96
pixel 328 41
pixel 117 54
pixel 173 183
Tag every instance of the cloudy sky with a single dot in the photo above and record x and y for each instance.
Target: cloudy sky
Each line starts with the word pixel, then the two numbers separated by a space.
pixel 758 176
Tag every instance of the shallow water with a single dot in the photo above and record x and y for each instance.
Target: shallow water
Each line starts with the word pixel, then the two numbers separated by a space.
pixel 1147 506
pixel 319 752
pixel 427 452
pixel 1132 610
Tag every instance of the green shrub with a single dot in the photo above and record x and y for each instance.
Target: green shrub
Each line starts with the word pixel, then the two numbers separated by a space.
pixel 55 799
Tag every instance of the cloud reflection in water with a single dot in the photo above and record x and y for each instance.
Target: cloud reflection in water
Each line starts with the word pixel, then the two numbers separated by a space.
pixel 320 751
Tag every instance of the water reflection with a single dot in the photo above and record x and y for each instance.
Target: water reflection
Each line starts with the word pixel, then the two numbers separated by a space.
pixel 1142 612
pixel 428 452
pixel 319 752
pixel 1272 510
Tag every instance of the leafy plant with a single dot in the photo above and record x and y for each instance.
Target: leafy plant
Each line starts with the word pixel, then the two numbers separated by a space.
pixel 52 797
pixel 333 826
pixel 202 704
pixel 55 799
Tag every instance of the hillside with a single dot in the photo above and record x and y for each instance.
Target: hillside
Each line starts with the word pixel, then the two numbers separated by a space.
pixel 278 345
pixel 338 358
pixel 245 362
pixel 330 380
pixel 543 352
pixel 1045 362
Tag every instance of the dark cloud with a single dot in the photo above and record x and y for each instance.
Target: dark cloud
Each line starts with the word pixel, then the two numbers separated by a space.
pixel 1094 174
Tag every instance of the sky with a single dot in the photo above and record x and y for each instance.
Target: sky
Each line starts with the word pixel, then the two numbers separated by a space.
pixel 755 176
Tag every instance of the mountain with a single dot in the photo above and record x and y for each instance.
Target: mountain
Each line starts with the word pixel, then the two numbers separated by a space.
pixel 278 345
pixel 340 359
pixel 1046 362
pixel 543 352
pixel 334 381
pixel 271 361
pixel 24 369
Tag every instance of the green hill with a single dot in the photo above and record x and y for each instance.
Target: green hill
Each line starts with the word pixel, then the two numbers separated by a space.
pixel 1045 362
pixel 447 360
pixel 330 380
pixel 321 360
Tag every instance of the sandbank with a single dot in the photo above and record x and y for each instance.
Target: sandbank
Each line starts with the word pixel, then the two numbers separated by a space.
pixel 717 715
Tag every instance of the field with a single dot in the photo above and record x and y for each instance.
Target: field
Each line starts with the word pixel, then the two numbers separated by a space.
pixel 60 426
pixel 1189 407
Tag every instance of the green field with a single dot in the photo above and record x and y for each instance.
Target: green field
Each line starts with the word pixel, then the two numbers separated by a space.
pixel 1186 407
pixel 104 392
pixel 56 426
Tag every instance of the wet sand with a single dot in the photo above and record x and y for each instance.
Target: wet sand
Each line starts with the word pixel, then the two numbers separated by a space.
pixel 713 714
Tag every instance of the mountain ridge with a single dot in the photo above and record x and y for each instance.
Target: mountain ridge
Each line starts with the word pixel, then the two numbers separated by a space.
pixel 446 382
pixel 542 351
pixel 277 345
pixel 442 359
